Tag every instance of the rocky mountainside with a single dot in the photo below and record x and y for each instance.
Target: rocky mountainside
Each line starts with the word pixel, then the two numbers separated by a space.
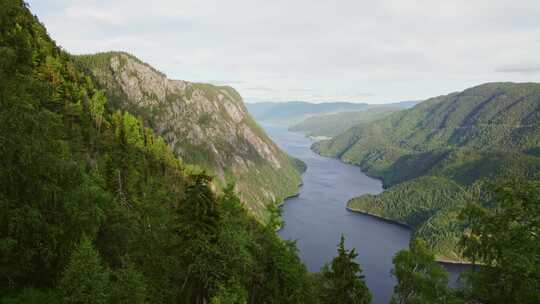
pixel 437 156
pixel 206 125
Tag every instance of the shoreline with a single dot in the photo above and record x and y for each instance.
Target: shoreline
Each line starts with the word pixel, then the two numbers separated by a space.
pixel 297 194
pixel 279 205
pixel 441 260
pixel 446 261
pixel 379 217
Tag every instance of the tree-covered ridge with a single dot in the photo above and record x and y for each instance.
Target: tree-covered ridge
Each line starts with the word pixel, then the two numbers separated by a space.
pixel 493 116
pixel 206 125
pixel 70 165
pixel 501 239
pixel 435 157
pixel 96 208
pixel 330 125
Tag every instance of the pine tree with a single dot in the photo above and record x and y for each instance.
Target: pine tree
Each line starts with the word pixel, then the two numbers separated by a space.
pixel 129 287
pixel 198 228
pixel 85 280
pixel 343 282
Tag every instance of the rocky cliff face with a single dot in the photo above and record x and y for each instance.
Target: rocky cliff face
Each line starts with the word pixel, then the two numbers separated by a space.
pixel 206 125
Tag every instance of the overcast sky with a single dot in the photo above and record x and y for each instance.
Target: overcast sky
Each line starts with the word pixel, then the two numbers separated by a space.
pixel 315 50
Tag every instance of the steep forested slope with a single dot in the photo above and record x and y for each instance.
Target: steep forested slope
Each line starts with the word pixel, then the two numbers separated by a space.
pixel 436 155
pixel 330 125
pixel 96 208
pixel 205 125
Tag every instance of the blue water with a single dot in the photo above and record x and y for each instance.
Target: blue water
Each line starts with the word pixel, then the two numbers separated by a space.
pixel 317 217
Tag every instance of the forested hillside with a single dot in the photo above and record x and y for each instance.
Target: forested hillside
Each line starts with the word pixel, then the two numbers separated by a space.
pixel 330 125
pixel 205 125
pixel 437 156
pixel 96 208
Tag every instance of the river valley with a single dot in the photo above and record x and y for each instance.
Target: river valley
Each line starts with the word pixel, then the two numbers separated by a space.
pixel 317 216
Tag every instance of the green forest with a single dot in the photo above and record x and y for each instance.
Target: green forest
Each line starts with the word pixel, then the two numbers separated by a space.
pixel 195 120
pixel 439 155
pixel 97 208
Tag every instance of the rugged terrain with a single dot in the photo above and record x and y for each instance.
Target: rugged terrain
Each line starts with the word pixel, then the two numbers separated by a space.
pixel 205 125
pixel 436 157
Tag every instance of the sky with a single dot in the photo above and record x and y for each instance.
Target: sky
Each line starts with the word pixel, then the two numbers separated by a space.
pixel 313 50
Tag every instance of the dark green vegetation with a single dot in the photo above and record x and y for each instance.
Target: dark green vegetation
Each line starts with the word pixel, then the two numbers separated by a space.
pixel 342 281
pixel 330 125
pixel 293 112
pixel 502 234
pixel 436 157
pixel 420 278
pixel 96 208
pixel 206 125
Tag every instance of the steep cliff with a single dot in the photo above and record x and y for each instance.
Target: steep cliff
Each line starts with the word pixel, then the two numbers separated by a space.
pixel 205 125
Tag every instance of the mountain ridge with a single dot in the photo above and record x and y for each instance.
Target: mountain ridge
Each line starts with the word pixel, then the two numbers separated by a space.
pixel 437 156
pixel 205 125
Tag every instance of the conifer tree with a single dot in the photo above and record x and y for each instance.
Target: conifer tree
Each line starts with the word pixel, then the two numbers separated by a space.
pixel 343 282
pixel 198 228
pixel 129 287
pixel 85 280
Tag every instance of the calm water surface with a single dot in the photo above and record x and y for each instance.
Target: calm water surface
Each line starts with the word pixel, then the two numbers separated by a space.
pixel 317 217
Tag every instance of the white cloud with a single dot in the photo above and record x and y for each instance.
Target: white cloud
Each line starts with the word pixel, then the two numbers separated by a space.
pixel 522 69
pixel 305 49
pixel 94 15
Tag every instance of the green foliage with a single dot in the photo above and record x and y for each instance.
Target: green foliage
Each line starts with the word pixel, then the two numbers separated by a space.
pixel 420 279
pixel 342 281
pixel 128 286
pixel 76 168
pixel 97 108
pixel 32 296
pixel 85 280
pixel 197 231
pixel 505 239
pixel 47 198
pixel 427 204
pixel 230 294
pixel 434 157
pixel 205 120
pixel 199 131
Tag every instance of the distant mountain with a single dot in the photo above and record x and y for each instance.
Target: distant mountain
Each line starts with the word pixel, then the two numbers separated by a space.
pixel 329 125
pixel 403 104
pixel 206 125
pixel 436 156
pixel 293 112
